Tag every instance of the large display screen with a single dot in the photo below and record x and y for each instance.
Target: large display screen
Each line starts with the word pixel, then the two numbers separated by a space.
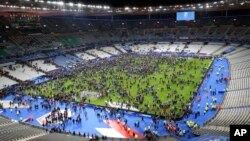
pixel 185 16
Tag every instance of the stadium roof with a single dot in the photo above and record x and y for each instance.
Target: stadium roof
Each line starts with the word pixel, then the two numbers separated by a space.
pixel 139 3
pixel 115 7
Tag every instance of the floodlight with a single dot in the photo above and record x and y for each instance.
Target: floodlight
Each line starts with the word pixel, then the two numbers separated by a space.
pixel 60 3
pixel 71 4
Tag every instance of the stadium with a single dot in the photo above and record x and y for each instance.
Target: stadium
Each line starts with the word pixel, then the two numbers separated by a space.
pixel 109 70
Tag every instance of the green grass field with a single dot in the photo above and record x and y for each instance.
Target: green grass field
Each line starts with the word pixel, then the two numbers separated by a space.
pixel 153 81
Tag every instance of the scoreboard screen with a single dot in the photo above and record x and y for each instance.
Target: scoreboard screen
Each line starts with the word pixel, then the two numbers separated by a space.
pixel 185 16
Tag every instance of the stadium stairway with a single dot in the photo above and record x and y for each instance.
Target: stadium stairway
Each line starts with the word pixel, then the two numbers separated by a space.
pixel 105 51
pixel 118 49
pixel 96 56
pixel 76 57
pixel 202 46
pixel 53 63
pixel 220 48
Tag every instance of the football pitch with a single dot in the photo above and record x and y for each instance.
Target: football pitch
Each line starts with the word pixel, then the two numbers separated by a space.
pixel 152 84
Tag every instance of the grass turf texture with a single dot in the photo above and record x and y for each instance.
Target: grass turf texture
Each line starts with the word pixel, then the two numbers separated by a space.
pixel 153 81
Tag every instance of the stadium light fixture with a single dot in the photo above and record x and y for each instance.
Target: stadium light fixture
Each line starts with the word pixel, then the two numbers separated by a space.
pixel 207 5
pixel 126 8
pixel 99 7
pixel 79 5
pixel 61 3
pixel 71 4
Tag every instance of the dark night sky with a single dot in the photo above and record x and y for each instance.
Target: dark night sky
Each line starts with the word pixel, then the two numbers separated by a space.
pixel 139 3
